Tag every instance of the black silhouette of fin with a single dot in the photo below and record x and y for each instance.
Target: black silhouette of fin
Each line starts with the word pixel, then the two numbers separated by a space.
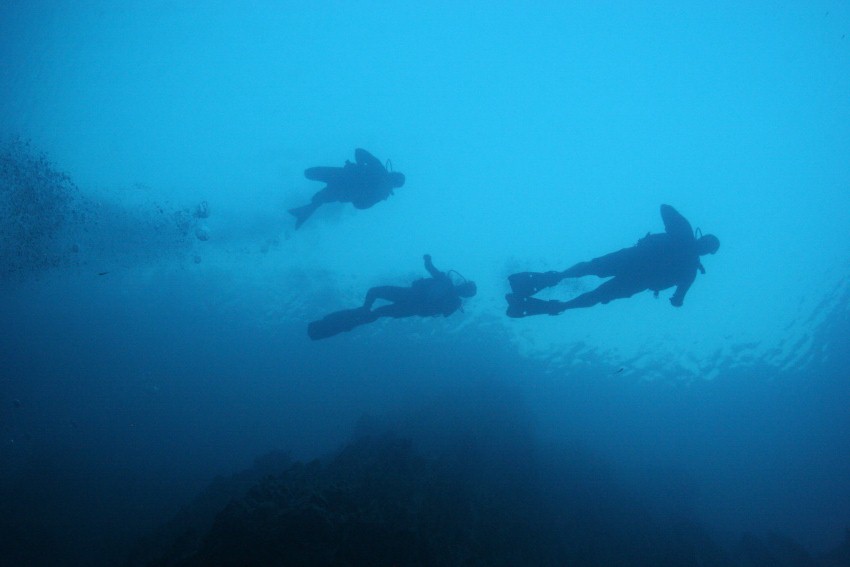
pixel 337 322
pixel 529 283
pixel 301 214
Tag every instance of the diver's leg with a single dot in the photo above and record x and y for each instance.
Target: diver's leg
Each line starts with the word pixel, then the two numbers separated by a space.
pixel 329 194
pixel 391 293
pixel 394 310
pixel 577 271
pixel 605 266
pixel 615 288
pixel 326 174
pixel 588 299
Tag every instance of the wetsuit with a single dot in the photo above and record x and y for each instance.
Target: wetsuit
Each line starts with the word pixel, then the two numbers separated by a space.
pixel 363 183
pixel 656 262
pixel 426 297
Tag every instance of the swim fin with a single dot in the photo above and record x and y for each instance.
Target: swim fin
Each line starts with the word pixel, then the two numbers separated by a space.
pixel 338 322
pixel 301 214
pixel 520 306
pixel 529 283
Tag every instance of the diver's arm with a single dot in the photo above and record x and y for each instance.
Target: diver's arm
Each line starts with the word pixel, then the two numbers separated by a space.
pixel 678 296
pixel 675 224
pixel 429 265
pixel 362 157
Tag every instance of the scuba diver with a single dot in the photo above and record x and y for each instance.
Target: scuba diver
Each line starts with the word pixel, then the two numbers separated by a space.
pixel 426 297
pixel 656 262
pixel 362 184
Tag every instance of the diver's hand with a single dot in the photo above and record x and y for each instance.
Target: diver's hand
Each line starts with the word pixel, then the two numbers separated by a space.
pixel 427 257
pixel 675 302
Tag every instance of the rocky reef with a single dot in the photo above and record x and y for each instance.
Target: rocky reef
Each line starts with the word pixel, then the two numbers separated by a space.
pixel 380 501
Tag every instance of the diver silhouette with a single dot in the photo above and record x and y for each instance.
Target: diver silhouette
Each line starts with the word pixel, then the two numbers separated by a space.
pixel 426 297
pixel 656 262
pixel 362 184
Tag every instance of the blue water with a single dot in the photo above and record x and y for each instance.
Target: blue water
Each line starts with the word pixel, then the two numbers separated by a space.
pixel 145 349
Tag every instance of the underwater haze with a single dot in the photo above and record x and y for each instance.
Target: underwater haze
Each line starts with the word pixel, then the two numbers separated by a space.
pixel 156 295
